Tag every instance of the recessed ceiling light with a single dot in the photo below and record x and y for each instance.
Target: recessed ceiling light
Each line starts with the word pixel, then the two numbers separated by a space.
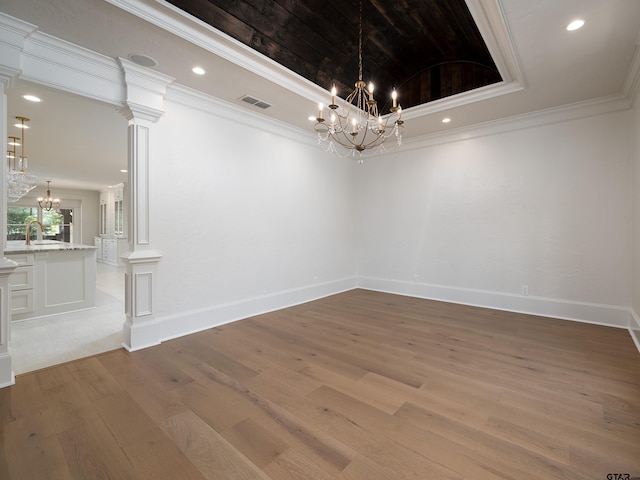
pixel 446 120
pixel 31 98
pixel 575 25
pixel 198 70
pixel 124 171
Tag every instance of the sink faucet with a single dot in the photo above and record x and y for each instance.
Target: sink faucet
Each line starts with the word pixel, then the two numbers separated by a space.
pixel 27 235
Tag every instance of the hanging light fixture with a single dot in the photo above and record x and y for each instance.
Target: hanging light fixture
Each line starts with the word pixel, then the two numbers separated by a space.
pixel 47 204
pixel 19 181
pixel 358 127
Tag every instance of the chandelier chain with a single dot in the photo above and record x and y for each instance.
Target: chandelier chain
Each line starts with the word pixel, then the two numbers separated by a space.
pixel 360 45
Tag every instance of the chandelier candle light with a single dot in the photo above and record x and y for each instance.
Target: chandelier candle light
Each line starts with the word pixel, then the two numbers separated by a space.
pixel 358 127
pixel 47 204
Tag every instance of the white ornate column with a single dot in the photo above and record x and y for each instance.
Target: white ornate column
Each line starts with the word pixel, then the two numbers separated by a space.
pixel 6 266
pixel 12 37
pixel 144 106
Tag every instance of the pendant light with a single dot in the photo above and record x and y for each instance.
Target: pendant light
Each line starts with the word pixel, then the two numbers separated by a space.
pixel 48 203
pixel 19 180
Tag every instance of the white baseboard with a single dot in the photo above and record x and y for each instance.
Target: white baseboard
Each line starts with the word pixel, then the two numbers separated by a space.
pixel 185 323
pixel 7 377
pixel 608 315
pixel 140 335
pixel 634 328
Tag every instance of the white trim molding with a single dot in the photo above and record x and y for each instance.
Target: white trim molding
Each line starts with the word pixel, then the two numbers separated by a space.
pixel 185 323
pixel 141 327
pixel 594 313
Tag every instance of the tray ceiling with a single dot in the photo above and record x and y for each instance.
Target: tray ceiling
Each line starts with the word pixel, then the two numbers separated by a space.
pixel 427 50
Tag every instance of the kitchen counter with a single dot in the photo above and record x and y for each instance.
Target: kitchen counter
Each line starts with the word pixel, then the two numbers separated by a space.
pixel 52 277
pixel 19 246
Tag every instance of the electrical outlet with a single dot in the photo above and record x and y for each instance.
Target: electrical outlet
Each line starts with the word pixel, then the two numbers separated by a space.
pixel 524 290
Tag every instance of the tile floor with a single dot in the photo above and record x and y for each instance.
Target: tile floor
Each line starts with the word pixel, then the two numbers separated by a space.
pixel 47 341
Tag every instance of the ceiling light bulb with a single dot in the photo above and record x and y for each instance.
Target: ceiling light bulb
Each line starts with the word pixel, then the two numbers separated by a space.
pixel 31 98
pixel 446 120
pixel 198 70
pixel 575 25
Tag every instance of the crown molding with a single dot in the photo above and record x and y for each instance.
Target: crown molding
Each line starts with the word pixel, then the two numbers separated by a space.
pixel 491 22
pixel 173 20
pixel 488 15
pixel 228 111
pixel 600 106
pixel 53 62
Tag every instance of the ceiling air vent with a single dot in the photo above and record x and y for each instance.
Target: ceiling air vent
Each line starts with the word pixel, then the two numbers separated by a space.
pixel 254 101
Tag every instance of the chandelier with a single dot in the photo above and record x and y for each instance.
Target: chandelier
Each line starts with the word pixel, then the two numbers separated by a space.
pixel 47 204
pixel 357 126
pixel 19 181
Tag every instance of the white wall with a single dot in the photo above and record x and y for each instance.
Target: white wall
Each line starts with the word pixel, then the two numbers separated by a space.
pixel 548 207
pixel 244 217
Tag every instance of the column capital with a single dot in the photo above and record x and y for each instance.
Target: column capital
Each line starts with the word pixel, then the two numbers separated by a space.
pixel 145 91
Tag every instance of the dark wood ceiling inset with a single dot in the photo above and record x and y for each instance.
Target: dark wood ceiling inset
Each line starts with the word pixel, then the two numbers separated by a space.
pixel 427 49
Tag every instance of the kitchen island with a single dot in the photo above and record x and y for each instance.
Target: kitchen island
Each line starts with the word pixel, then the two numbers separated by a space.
pixel 52 277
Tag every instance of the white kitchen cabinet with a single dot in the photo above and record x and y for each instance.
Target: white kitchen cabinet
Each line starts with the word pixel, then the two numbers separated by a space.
pixel 51 278
pixel 103 214
pixel 112 214
pixel 110 251
pixel 97 241
pixel 21 284
pixel 113 225
pixel 119 230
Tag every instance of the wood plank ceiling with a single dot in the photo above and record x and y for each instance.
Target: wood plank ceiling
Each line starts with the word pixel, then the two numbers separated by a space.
pixel 426 49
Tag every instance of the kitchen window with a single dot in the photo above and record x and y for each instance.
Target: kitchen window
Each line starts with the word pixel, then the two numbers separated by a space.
pixel 58 225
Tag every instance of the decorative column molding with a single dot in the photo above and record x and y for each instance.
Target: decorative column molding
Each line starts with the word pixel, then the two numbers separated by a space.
pixel 144 105
pixel 6 266
pixel 145 91
pixel 140 327
pixel 13 33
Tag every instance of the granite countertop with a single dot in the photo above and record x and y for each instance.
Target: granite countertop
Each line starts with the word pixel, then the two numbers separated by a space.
pixel 18 246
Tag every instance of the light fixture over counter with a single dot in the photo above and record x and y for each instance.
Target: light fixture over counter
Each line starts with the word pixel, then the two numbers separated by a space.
pixel 48 203
pixel 358 126
pixel 19 180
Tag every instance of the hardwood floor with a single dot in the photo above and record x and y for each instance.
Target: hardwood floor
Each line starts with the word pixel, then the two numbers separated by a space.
pixel 357 386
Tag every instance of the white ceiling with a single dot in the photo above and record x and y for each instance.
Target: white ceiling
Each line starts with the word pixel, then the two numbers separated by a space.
pixel 80 143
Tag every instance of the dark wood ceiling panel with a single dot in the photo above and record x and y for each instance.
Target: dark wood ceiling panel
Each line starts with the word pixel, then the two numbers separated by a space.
pixel 427 49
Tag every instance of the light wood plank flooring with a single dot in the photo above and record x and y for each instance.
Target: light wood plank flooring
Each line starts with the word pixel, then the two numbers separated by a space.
pixel 357 386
